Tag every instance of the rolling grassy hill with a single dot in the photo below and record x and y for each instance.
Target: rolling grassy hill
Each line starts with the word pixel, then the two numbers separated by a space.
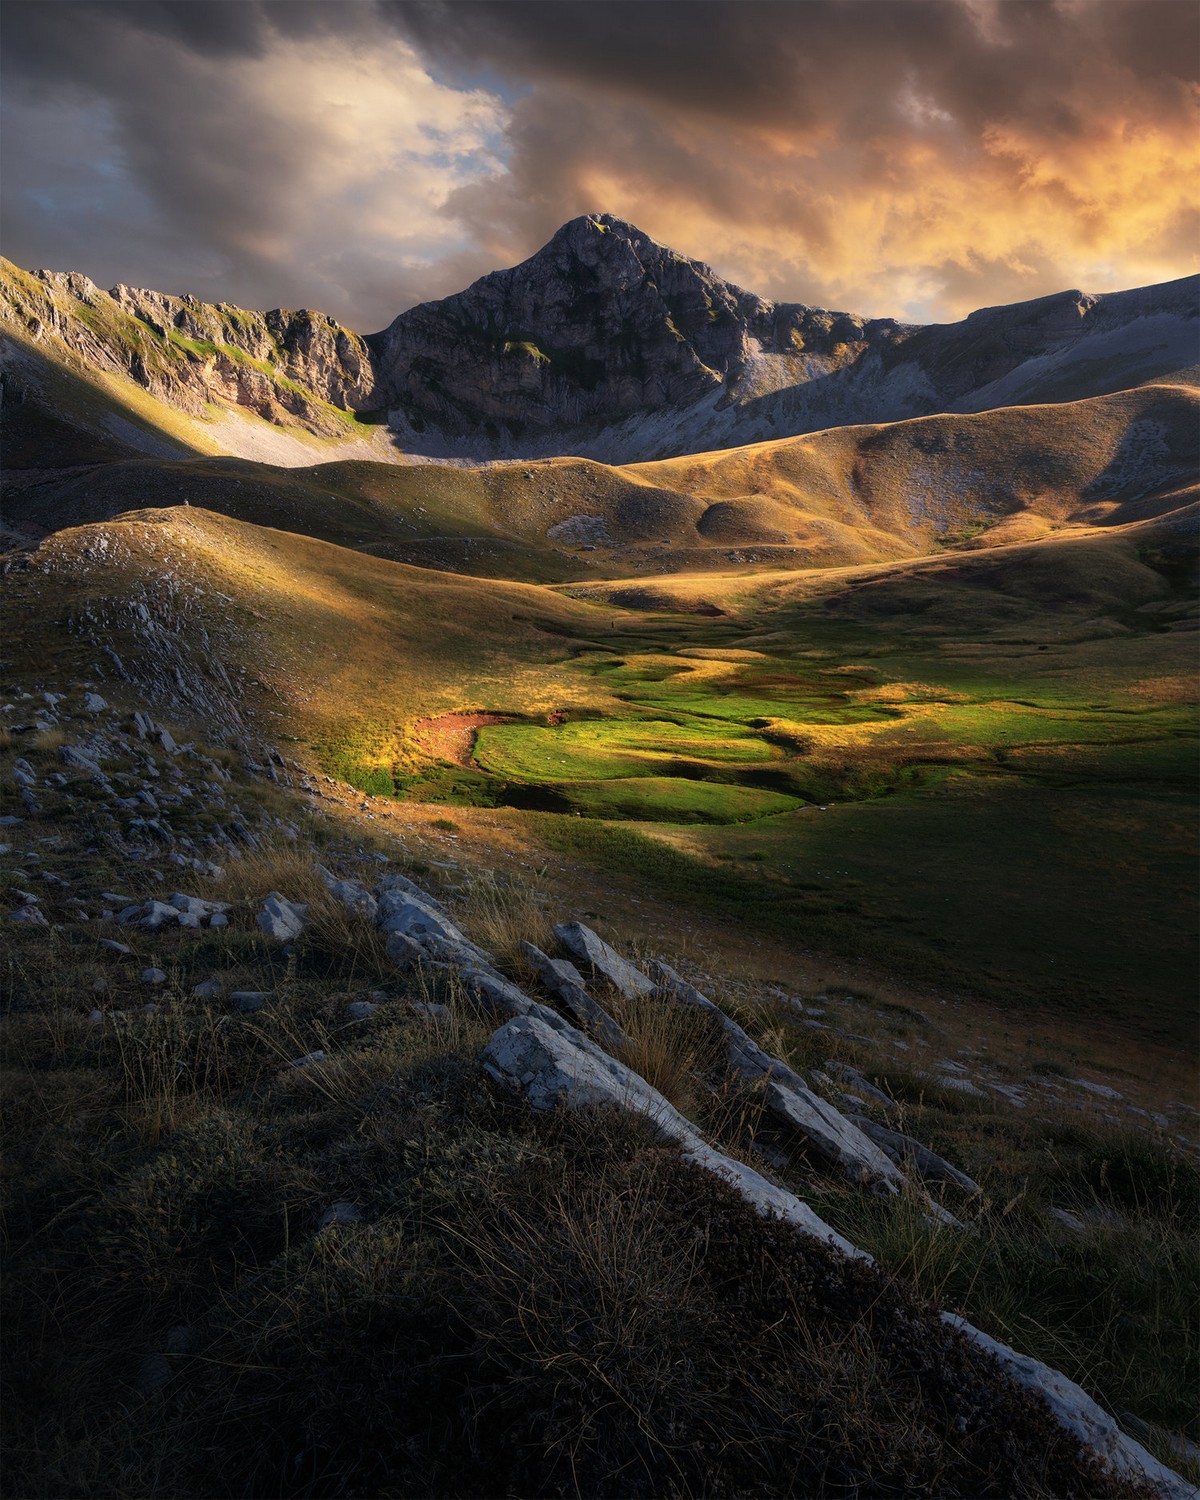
pixel 849 495
pixel 977 767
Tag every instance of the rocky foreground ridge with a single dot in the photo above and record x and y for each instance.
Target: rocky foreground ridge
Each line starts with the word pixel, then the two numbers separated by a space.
pixel 126 794
pixel 607 345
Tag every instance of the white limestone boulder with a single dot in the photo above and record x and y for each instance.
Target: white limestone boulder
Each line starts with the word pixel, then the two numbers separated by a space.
pixel 789 1100
pixel 600 958
pixel 1079 1414
pixel 282 919
pixel 556 1065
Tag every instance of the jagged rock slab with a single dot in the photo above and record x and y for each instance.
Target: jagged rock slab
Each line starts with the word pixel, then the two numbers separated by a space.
pixel 1078 1413
pixel 352 894
pixel 282 919
pixel 788 1098
pixel 596 955
pixel 402 884
pixel 495 993
pixel 196 906
pixel 31 916
pixel 556 1066
pixel 249 1000
pixel 563 979
pixel 903 1150
pixel 156 914
pixel 413 915
pixel 861 1085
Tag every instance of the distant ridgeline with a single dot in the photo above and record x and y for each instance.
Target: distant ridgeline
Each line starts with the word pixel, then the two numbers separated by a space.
pixel 607 345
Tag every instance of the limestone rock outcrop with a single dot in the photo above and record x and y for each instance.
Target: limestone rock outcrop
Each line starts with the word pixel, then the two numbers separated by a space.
pixel 558 1065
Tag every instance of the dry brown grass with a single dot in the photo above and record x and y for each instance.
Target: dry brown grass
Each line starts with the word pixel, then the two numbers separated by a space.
pixel 287 868
pixel 172 1065
pixel 672 1046
pixel 499 913
pixel 46 741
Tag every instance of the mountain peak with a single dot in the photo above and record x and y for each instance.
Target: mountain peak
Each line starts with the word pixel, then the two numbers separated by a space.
pixel 595 237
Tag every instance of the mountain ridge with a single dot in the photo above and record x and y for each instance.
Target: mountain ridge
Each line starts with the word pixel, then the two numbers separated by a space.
pixel 604 344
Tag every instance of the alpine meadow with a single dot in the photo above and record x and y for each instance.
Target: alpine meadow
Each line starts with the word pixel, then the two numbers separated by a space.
pixel 599 886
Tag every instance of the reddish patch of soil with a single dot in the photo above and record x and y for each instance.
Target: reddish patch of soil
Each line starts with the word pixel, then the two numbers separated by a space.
pixel 452 736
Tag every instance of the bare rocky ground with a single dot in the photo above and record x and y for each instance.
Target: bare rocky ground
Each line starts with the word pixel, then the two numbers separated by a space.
pixel 338 1167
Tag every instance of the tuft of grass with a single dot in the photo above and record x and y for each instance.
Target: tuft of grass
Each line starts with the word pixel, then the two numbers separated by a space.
pixel 499 913
pixel 672 1046
pixel 284 867
pixel 172 1065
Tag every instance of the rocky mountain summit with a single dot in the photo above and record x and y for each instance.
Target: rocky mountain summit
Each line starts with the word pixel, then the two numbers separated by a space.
pixel 608 345
pixel 601 324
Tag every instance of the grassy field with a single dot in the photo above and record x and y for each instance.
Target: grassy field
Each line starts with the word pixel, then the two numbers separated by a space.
pixel 922 824
pixel 1006 809
pixel 978 769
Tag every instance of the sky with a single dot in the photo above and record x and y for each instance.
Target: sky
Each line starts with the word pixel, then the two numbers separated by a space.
pixel 905 158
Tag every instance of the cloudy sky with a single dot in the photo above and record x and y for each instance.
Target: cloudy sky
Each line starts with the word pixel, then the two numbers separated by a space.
pixel 914 158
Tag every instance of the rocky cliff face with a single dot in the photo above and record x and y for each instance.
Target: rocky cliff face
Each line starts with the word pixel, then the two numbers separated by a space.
pixel 601 324
pixel 608 345
pixel 297 368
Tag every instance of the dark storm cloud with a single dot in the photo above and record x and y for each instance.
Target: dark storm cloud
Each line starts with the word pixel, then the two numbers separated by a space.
pixel 802 63
pixel 922 155
pixel 928 155
pixel 264 152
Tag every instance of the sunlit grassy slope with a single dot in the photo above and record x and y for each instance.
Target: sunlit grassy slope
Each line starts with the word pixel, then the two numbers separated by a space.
pixel 978 767
pixel 62 410
pixel 846 496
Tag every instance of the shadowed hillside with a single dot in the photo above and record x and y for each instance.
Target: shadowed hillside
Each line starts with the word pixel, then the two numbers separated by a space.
pixel 848 495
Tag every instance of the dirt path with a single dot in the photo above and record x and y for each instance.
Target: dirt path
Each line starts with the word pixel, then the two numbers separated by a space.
pixel 452 736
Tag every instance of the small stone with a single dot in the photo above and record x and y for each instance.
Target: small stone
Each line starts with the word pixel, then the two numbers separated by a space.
pixel 1100 1090
pixel 208 989
pixel 308 1059
pixel 180 1340
pixel 340 1212
pixel 282 919
pixel 95 1017
pixel 249 1000
pixel 1067 1219
pixel 360 1010
pixel 153 1373
pixel 352 894
pixel 78 761
pixel 30 916
pixel 431 1012
pixel 218 919
pixel 196 906
pixel 99 985
pixel 603 960
pixel 93 703
pixel 962 1086
pixel 154 976
pixel 157 914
